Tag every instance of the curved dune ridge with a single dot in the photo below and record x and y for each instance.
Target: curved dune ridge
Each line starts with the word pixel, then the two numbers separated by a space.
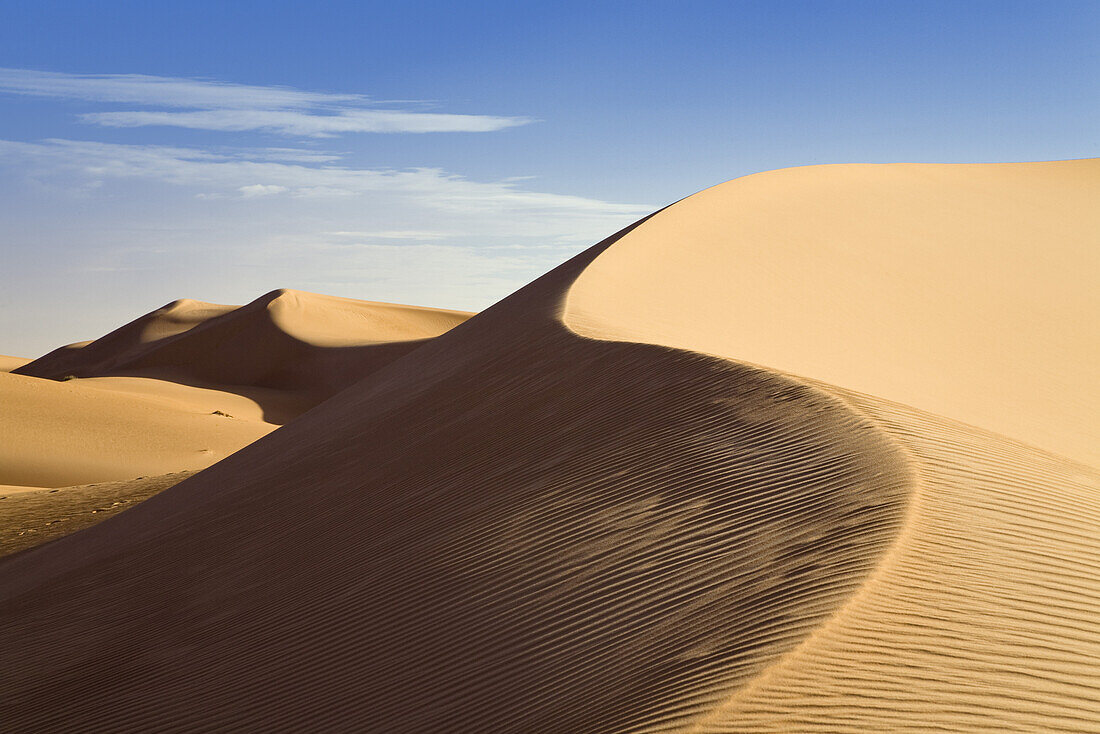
pixel 557 517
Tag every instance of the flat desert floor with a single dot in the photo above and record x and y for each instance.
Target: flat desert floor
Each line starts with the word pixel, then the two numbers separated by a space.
pixel 814 450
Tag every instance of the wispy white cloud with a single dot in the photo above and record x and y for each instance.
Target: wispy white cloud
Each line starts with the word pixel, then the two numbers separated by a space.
pixel 308 124
pixel 392 234
pixel 236 173
pixel 161 91
pixel 254 190
pixel 224 224
pixel 212 105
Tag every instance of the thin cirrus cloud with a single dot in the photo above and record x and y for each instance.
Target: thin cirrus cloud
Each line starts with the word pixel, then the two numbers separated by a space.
pixel 222 106
pixel 282 172
pixel 253 190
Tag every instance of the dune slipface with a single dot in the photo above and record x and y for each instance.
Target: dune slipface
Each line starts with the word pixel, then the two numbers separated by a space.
pixel 576 512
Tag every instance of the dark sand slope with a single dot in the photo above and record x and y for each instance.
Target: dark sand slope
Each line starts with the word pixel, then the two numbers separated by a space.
pixel 519 527
pixel 30 517
pixel 985 616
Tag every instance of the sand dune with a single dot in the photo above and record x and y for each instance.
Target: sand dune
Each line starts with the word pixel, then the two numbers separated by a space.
pixel 309 345
pixel 588 509
pixel 968 291
pixel 190 383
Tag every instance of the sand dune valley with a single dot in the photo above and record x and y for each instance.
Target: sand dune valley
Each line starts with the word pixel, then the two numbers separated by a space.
pixel 814 450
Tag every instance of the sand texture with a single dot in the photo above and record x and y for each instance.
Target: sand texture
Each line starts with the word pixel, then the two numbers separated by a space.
pixel 592 508
pixel 57 434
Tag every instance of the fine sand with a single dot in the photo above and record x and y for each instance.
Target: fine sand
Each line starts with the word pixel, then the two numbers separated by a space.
pixel 287 350
pixel 590 508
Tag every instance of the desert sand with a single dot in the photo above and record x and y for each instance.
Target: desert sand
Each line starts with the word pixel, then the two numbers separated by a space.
pixel 812 450
pixel 287 350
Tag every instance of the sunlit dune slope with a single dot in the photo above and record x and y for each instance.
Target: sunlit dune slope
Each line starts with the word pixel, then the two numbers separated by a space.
pixel 556 518
pixel 55 434
pixel 7 364
pixel 969 291
pixel 286 340
pixel 984 617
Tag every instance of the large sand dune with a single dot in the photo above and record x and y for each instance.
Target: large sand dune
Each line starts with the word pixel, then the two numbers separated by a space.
pixel 588 509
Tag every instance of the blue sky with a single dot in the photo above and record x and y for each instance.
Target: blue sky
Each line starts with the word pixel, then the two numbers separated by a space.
pixel 446 153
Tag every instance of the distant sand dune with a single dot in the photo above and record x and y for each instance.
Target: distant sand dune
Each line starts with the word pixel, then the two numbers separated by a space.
pixel 190 383
pixel 563 516
pixel 305 344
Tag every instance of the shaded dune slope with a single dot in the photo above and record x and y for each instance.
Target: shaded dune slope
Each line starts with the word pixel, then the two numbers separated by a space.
pixel 30 516
pixel 985 616
pixel 968 288
pixel 538 523
pixel 290 341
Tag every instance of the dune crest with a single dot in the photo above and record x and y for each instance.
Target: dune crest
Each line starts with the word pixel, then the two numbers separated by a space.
pixel 581 511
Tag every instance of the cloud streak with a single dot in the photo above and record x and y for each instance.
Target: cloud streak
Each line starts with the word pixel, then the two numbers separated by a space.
pixel 268 173
pixel 221 106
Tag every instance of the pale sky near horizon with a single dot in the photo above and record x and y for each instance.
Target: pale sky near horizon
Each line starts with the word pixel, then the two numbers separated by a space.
pixel 445 154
